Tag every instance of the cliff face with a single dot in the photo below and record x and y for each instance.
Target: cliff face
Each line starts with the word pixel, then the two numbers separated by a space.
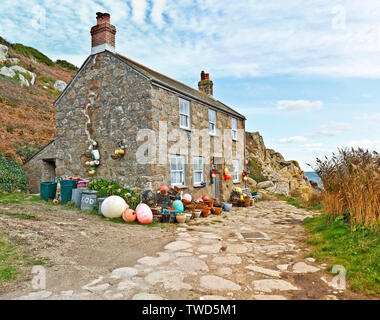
pixel 271 171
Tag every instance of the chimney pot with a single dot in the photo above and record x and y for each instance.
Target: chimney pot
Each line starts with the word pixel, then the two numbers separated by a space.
pixel 103 34
pixel 206 85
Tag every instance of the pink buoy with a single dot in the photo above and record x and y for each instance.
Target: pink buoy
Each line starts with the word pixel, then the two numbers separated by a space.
pixel 144 214
pixel 206 198
pixel 199 199
pixel 187 197
pixel 164 189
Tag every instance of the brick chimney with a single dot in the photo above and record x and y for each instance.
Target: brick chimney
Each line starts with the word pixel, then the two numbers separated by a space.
pixel 103 34
pixel 206 85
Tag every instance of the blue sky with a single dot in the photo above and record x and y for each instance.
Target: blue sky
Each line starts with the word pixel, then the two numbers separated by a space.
pixel 305 73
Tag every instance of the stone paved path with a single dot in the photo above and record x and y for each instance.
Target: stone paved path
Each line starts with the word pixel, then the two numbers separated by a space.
pixel 251 253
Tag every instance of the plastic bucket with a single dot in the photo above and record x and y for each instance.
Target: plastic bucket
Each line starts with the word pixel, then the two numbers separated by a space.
pixel 77 197
pixel 100 201
pixel 227 206
pixel 67 187
pixel 88 200
pixel 48 190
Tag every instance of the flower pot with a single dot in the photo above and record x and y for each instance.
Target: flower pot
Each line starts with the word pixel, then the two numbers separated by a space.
pixel 216 210
pixel 181 218
pixel 189 215
pixel 205 212
pixel 210 203
pixel 197 214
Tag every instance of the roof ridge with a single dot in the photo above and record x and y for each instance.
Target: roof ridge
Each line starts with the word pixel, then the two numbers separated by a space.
pixel 202 96
pixel 164 75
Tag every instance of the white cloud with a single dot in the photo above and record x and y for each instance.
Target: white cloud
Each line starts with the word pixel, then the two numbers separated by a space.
pixel 333 129
pixel 157 11
pixel 220 35
pixel 295 139
pixel 312 147
pixel 366 144
pixel 299 105
pixel 139 8
pixel 369 117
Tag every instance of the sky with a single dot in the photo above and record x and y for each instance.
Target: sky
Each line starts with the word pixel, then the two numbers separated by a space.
pixel 306 74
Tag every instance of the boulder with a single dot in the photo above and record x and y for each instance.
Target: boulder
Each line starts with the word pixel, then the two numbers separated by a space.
pixel 13 60
pixel 281 187
pixel 3 53
pixel 23 81
pixel 7 72
pixel 22 70
pixel 251 182
pixel 60 85
pixel 265 185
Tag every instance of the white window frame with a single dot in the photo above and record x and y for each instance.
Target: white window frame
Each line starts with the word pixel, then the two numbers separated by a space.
pixel 235 171
pixel 234 125
pixel 183 113
pixel 183 171
pixel 212 124
pixel 197 170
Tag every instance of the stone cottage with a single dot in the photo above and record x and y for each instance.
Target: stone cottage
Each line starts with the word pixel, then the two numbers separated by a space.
pixel 163 131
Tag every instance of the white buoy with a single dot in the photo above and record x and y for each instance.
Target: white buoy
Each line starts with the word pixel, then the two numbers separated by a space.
pixel 113 207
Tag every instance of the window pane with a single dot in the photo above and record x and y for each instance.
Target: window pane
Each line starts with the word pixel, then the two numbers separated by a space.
pixel 234 124
pixel 212 116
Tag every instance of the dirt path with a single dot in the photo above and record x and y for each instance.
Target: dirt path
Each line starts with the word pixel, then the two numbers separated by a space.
pixel 249 253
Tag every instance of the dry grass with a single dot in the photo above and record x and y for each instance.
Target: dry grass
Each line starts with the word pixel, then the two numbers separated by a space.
pixel 351 180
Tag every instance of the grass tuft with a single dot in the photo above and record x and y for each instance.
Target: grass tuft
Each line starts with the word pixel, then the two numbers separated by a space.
pixel 336 242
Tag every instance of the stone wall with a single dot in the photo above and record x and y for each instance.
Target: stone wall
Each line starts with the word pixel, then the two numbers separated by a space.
pixel 166 109
pixel 115 99
pixel 41 168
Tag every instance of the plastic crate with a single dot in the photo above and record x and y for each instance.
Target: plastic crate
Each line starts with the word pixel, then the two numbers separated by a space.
pixel 168 216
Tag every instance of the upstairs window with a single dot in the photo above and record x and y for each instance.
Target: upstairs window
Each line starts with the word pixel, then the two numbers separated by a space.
pixel 235 173
pixel 177 170
pixel 184 114
pixel 212 121
pixel 234 129
pixel 198 170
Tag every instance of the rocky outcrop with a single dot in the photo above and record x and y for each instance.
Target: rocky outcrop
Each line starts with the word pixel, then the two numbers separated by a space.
pixel 22 70
pixel 273 172
pixel 7 72
pixel 3 53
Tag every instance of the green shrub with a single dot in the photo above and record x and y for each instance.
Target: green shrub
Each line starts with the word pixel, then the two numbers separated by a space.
pixel 111 188
pixel 27 151
pixel 4 42
pixel 32 53
pixel 12 175
pixel 66 65
pixel 256 172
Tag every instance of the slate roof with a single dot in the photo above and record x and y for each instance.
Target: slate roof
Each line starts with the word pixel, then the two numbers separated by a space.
pixel 179 87
pixel 167 82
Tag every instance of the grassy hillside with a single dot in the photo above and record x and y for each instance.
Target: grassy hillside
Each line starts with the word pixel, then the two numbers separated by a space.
pixel 27 115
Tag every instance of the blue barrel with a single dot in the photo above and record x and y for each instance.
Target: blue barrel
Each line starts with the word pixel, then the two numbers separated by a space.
pixel 100 201
pixel 77 196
